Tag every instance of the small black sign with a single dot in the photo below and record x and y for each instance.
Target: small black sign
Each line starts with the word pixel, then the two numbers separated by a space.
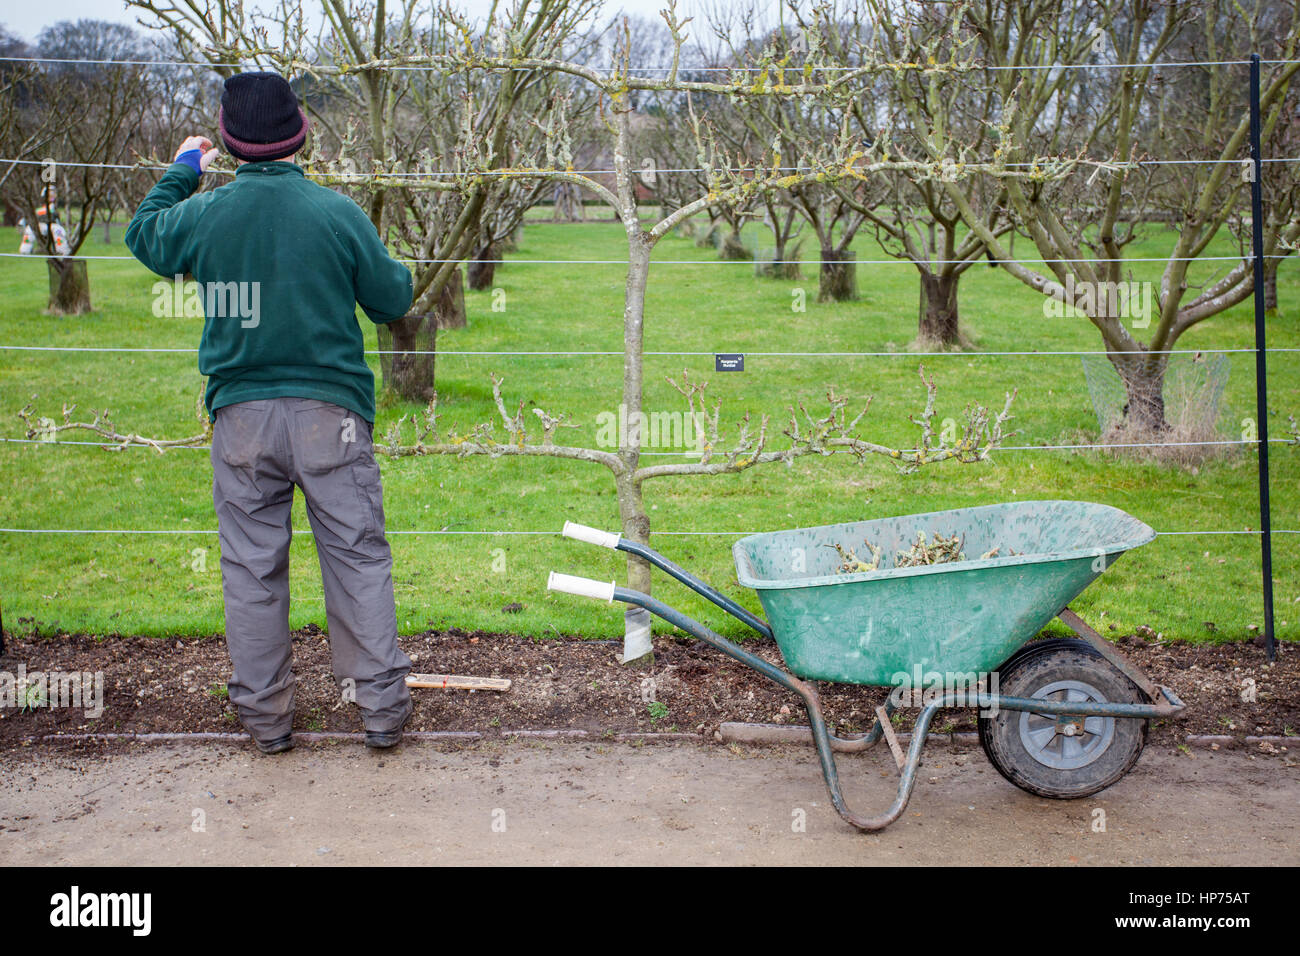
pixel 728 362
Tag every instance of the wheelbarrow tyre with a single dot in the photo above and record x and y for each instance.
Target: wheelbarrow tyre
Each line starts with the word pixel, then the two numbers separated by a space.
pixel 1022 745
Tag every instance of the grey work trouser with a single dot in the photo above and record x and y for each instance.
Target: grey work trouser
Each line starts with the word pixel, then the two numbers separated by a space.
pixel 260 451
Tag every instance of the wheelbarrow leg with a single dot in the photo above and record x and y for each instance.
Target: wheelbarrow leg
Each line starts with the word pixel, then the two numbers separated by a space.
pixel 808 693
pixel 907 773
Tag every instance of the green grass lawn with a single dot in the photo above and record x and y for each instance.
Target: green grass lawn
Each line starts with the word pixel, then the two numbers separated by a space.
pixel 1196 587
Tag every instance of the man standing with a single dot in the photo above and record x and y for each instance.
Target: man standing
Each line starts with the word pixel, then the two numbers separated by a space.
pixel 281 264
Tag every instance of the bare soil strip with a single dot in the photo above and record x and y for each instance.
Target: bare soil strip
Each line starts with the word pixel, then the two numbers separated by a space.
pixel 177 686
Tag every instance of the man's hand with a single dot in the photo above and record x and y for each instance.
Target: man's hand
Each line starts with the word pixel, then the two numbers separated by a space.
pixel 201 145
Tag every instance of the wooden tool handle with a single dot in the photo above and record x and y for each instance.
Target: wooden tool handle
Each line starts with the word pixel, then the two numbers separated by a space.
pixel 455 682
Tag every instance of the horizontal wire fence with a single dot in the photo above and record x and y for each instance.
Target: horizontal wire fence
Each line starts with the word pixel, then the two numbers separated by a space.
pixel 682 72
pixel 700 354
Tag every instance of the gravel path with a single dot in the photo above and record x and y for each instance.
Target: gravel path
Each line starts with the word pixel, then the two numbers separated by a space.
pixel 564 802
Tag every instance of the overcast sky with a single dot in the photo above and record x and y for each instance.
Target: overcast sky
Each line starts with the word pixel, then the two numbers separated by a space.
pixel 28 19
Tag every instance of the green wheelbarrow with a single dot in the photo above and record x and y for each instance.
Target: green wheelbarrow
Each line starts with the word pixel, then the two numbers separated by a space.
pixel 1061 718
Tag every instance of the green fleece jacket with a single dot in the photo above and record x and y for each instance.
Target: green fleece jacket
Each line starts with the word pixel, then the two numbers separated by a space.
pixel 281 264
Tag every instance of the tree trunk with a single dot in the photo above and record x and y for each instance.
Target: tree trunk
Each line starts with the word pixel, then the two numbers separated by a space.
pixel 635 527
pixel 733 248
pixel 839 276
pixel 411 342
pixel 567 204
pixel 634 518
pixel 450 307
pixel 484 266
pixel 407 375
pixel 937 319
pixel 708 238
pixel 1144 388
pixel 782 264
pixel 1011 250
pixel 11 214
pixel 69 287
pixel 1270 288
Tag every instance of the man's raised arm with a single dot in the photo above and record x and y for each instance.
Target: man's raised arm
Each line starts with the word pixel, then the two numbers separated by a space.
pixel 160 229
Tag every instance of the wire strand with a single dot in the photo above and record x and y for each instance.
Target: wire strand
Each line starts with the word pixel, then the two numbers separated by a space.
pixel 729 262
pixel 688 70
pixel 1101 446
pixel 664 354
pixel 436 174
pixel 503 533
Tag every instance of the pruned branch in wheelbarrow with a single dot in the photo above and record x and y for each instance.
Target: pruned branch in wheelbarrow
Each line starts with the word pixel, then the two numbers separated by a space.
pixel 47 429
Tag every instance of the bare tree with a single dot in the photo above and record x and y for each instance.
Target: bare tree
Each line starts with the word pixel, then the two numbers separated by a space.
pixel 1085 207
pixel 913 219
pixel 77 123
pixel 782 220
pixel 499 223
pixel 801 127
pixel 14 91
pixel 93 40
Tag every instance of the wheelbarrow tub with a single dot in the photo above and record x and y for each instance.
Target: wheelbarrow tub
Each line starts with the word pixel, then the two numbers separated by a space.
pixel 947 619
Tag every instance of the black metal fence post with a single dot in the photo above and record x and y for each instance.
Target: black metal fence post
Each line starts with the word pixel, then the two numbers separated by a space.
pixel 1261 365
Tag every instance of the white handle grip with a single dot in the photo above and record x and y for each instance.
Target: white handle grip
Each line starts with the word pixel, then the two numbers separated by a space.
pixel 580 532
pixel 583 587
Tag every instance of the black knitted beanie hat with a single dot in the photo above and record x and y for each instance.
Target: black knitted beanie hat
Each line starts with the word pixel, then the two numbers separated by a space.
pixel 260 118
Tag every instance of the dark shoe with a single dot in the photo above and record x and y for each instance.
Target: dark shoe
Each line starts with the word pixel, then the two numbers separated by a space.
pixel 382 740
pixel 277 746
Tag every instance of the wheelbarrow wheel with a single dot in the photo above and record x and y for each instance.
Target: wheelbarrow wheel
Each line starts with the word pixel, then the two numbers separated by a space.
pixel 1058 758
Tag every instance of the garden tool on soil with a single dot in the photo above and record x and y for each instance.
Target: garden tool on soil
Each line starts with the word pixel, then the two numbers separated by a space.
pixel 456 682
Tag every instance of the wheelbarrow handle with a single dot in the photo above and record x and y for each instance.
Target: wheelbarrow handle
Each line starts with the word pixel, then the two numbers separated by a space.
pixel 582 587
pixel 607 539
pixel 580 532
